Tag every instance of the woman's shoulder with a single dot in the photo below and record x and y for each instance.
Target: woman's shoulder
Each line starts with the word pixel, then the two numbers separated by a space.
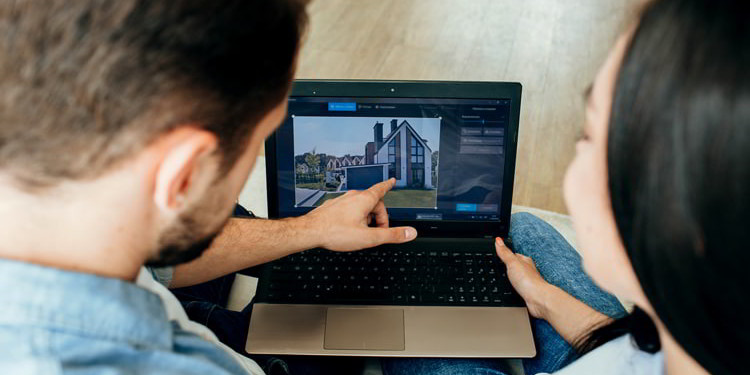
pixel 617 357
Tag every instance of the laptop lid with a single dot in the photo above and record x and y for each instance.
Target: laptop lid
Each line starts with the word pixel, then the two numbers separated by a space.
pixel 450 145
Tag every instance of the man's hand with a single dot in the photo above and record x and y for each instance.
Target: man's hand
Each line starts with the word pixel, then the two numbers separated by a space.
pixel 342 224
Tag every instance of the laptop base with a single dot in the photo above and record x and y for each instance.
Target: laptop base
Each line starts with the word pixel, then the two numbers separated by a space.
pixel 473 332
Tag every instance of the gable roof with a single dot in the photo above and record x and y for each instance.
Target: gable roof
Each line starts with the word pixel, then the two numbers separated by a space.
pixel 398 128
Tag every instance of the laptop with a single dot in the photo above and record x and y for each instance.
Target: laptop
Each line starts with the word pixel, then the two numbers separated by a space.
pixel 451 147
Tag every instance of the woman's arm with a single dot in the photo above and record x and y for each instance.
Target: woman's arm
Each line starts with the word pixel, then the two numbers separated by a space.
pixel 571 318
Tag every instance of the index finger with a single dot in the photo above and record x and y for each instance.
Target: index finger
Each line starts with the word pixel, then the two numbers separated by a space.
pixel 381 188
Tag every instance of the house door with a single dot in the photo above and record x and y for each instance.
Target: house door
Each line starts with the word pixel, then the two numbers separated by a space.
pixel 417 175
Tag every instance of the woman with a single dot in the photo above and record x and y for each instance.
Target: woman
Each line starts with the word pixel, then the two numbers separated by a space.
pixel 658 192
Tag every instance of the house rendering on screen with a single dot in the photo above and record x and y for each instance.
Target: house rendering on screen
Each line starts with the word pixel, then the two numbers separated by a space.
pixel 402 154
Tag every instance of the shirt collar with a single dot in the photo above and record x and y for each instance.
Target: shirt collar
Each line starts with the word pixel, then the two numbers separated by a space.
pixel 82 304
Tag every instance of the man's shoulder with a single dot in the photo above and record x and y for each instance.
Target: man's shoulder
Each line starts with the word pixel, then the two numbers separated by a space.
pixel 63 322
pixel 30 366
pixel 34 350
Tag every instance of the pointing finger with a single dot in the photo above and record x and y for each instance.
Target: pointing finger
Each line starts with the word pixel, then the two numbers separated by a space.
pixel 379 190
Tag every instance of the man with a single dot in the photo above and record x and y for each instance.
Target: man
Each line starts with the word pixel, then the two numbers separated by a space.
pixel 127 129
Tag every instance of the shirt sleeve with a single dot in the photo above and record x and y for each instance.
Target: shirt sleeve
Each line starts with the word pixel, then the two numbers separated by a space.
pixel 619 357
pixel 240 211
pixel 162 275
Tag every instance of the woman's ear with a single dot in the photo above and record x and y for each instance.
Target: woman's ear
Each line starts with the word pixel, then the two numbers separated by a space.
pixel 183 165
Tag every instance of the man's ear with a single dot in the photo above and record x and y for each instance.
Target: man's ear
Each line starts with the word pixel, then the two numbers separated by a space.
pixel 183 162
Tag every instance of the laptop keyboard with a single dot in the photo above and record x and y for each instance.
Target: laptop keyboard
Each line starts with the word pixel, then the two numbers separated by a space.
pixel 391 277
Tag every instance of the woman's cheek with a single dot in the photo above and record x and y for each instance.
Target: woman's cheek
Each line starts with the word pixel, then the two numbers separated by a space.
pixel 571 187
pixel 584 188
pixel 578 192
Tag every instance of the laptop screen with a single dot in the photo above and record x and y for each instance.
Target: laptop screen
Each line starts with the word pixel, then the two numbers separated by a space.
pixel 447 155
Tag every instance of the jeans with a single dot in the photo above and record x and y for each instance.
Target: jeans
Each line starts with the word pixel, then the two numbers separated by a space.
pixel 560 265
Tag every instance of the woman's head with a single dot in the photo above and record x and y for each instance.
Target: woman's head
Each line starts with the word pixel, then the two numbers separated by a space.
pixel 659 187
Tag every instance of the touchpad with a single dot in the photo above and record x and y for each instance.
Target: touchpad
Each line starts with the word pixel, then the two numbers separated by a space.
pixel 364 329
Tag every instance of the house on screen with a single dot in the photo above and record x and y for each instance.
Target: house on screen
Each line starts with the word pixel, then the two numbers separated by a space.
pixel 402 154
pixel 336 163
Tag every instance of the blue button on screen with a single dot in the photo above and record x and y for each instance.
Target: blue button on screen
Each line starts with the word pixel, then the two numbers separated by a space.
pixel 466 207
pixel 340 106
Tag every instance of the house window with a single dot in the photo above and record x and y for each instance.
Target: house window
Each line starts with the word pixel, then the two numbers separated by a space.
pixel 417 163
pixel 417 152
pixel 394 157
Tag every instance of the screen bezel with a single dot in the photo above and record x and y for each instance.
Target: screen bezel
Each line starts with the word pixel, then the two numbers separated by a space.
pixel 419 89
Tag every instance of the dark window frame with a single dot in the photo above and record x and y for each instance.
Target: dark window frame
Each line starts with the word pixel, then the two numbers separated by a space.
pixel 394 153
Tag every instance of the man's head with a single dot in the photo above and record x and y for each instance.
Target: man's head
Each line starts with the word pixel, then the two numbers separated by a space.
pixel 177 95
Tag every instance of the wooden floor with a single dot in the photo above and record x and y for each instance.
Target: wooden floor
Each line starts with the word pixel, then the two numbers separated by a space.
pixel 552 47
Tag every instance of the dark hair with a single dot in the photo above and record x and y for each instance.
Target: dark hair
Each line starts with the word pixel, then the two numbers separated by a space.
pixel 86 84
pixel 679 177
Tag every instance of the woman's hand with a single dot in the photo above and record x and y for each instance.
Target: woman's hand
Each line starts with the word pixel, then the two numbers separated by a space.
pixel 570 317
pixel 525 279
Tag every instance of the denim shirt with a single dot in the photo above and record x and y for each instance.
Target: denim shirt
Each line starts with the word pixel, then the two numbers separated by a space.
pixel 61 322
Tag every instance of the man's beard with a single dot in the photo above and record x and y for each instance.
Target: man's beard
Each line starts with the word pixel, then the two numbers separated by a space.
pixel 172 255
pixel 182 242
